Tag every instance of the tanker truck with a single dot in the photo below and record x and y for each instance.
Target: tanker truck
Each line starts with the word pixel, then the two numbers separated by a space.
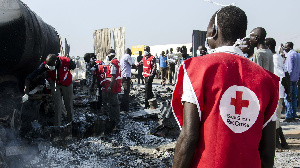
pixel 25 42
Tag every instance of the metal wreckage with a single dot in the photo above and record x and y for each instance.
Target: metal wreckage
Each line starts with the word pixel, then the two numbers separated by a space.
pixel 145 138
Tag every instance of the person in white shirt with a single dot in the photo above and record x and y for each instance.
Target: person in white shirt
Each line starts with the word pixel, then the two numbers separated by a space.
pixel 126 64
pixel 280 71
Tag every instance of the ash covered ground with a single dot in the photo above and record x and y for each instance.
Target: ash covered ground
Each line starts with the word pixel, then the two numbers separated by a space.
pixel 139 141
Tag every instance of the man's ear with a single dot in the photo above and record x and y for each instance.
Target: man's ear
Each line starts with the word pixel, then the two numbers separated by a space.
pixel 256 38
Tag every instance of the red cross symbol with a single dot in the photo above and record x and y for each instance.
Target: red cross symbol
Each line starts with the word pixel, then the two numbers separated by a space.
pixel 239 103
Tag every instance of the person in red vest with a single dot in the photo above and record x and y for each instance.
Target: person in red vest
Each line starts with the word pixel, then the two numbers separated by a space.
pixel 225 103
pixel 60 79
pixel 99 77
pixel 149 71
pixel 113 74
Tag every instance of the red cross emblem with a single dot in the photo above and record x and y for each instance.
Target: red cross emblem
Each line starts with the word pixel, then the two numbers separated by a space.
pixel 239 103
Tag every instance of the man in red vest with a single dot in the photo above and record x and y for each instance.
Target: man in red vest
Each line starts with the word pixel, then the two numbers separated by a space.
pixel 99 77
pixel 60 79
pixel 149 70
pixel 225 103
pixel 114 76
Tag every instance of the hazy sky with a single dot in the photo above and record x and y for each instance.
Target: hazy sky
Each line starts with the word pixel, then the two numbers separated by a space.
pixel 157 22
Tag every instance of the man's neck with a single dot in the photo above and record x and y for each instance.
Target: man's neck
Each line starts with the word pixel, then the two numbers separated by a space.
pixel 261 46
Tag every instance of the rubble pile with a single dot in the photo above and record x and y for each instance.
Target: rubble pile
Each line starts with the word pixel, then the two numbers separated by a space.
pixel 135 143
pixel 143 138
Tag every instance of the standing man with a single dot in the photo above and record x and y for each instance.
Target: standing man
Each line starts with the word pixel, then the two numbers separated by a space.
pixel 263 56
pixel 60 79
pixel 140 68
pixel 225 118
pixel 293 68
pixel 98 78
pixel 279 70
pixel 126 63
pixel 149 69
pixel 172 63
pixel 163 67
pixel 114 75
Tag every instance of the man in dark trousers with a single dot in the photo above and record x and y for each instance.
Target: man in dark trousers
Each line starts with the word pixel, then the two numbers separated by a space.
pixel 226 118
pixel 140 68
pixel 60 79
pixel 163 60
pixel 149 69
pixel 114 76
pixel 126 64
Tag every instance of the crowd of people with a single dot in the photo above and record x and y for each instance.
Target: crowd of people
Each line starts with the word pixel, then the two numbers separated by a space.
pixel 228 99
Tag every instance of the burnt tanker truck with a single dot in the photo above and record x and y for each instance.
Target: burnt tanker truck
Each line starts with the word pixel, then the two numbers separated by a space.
pixel 25 42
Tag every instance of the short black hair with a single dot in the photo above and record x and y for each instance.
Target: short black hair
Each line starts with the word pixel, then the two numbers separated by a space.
pixel 232 23
pixel 270 42
pixel 110 51
pixel 183 49
pixel 290 44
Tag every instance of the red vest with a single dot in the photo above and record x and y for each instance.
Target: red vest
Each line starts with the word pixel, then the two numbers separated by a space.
pixel 147 65
pixel 116 88
pixel 235 99
pixel 64 74
pixel 101 77
pixel 98 62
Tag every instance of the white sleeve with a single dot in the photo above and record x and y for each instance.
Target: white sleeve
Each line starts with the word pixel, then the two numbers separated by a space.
pixel 129 60
pixel 113 69
pixel 187 95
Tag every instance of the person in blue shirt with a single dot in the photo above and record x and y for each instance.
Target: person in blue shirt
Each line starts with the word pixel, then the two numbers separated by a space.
pixel 293 68
pixel 163 67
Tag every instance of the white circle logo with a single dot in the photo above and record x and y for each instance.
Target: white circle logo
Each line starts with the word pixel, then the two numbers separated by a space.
pixel 148 62
pixel 239 108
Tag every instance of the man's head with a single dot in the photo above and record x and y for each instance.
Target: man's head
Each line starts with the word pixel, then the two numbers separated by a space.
pixel 288 46
pixel 167 51
pixel 171 50
pixel 51 61
pixel 226 26
pixel 271 44
pixel 147 51
pixel 87 57
pixel 257 36
pixel 247 48
pixel 93 56
pixel 163 53
pixel 140 53
pixel 147 48
pixel 128 51
pixel 111 54
pixel 183 51
pixel 202 50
